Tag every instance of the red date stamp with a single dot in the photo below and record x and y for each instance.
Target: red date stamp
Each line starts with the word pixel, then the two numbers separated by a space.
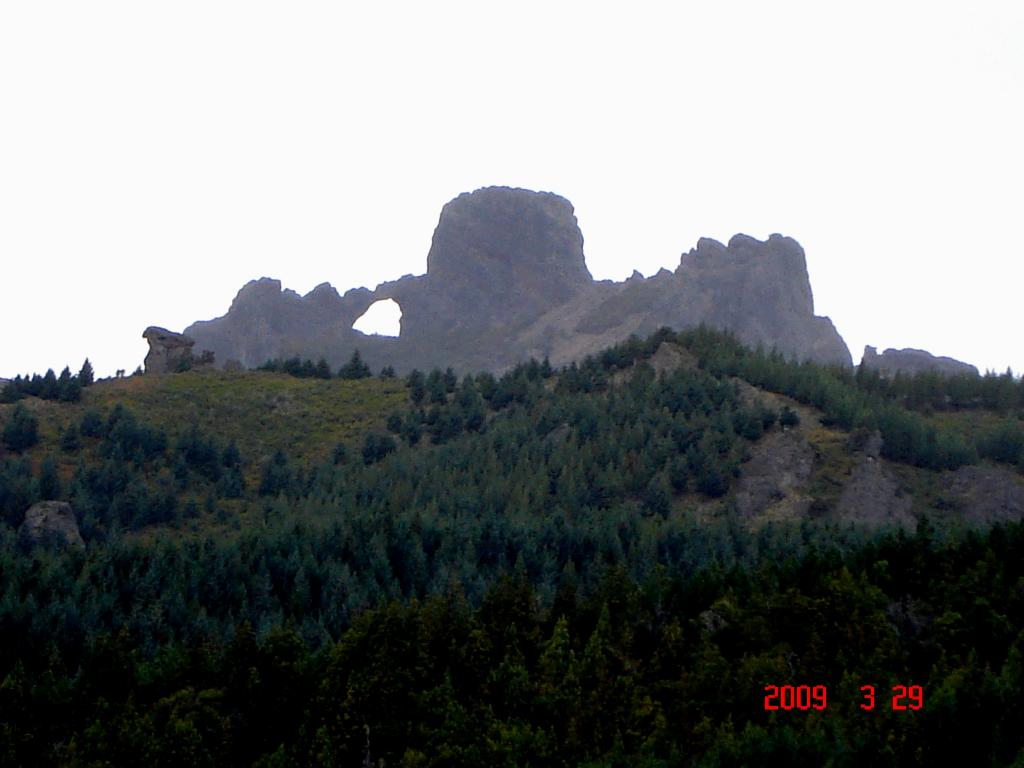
pixel 807 697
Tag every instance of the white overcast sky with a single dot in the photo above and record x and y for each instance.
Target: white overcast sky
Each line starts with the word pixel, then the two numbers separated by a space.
pixel 156 156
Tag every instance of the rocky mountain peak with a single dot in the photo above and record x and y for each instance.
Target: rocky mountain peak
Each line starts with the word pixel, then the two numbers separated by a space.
pixel 325 295
pixel 257 291
pixel 513 248
pixel 772 270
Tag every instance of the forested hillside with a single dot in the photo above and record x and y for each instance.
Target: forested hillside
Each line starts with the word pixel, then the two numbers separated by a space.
pixel 598 565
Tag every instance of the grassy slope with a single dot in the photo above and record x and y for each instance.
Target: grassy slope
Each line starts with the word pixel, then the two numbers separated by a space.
pixel 261 411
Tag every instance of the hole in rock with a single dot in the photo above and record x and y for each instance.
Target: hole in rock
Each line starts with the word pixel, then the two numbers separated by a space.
pixel 383 318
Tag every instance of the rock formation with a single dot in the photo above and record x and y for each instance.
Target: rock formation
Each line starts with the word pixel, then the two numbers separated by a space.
pixel 985 494
pixel 776 476
pixel 50 523
pixel 911 361
pixel 168 351
pixel 507 279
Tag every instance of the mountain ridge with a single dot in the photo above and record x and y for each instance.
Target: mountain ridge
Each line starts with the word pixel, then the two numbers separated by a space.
pixel 507 279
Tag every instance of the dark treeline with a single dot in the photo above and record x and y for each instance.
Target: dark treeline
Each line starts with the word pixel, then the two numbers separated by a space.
pixel 935 391
pixel 665 671
pixel 66 387
pixel 355 368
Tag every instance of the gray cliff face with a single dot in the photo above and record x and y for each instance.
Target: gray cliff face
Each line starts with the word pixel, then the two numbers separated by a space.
pixel 265 322
pixel 506 255
pixel 758 290
pixel 911 361
pixel 507 279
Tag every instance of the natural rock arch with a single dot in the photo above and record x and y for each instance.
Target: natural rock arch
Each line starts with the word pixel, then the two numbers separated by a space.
pixel 382 318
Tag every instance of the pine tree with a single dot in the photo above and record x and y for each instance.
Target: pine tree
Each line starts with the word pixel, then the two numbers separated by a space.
pixel 355 368
pixel 92 423
pixel 411 429
pixel 417 386
pixel 340 454
pixel 395 422
pixel 49 482
pixel 50 387
pixel 450 380
pixel 658 496
pixel 69 390
pixel 558 685
pixel 376 447
pixel 436 387
pixel 69 440
pixel 22 429
pixel 276 476
pixel 788 418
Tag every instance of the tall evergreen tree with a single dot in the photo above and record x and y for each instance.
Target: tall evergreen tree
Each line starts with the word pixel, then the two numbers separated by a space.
pixel 49 481
pixel 323 370
pixel 417 386
pixel 22 429
pixel 355 368
pixel 50 388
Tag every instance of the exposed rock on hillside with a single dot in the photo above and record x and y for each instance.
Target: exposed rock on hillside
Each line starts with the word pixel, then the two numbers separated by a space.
pixel 506 279
pixel 776 475
pixel 669 357
pixel 50 523
pixel 911 361
pixel 873 497
pixel 987 494
pixel 167 349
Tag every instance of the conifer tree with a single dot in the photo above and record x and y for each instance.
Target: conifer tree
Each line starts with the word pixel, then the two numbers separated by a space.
pixel 49 482
pixel 50 388
pixel 417 386
pixel 22 429
pixel 355 368
pixel 69 440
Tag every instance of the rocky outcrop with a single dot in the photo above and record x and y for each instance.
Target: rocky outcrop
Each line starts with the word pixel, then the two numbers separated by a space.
pixel 776 476
pixel 985 494
pixel 167 350
pixel 266 322
pixel 50 523
pixel 507 279
pixel 759 290
pixel 873 497
pixel 669 357
pixel 911 361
